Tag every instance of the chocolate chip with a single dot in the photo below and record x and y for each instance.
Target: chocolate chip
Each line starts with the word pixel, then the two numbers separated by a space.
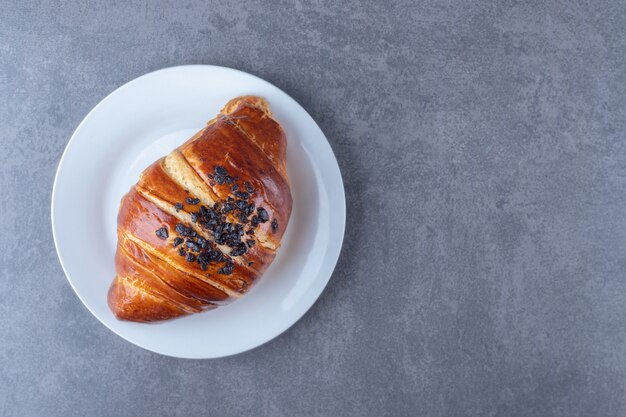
pixel 274 225
pixel 263 215
pixel 194 217
pixel 248 187
pixel 227 269
pixel 192 201
pixel 190 257
pixel 219 179
pixel 220 171
pixel 255 221
pixel 239 250
pixel 183 230
pixel 234 187
pixel 241 205
pixel 210 176
pixel 193 246
pixel 204 266
pixel 250 263
pixel 162 233
pixel 250 243
pixel 214 256
pixel 181 251
pixel 242 194
pixel 178 207
pixel 177 241
pixel 228 207
pixel 228 179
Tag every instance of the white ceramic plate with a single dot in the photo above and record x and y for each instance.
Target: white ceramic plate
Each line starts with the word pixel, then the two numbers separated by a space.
pixel 144 120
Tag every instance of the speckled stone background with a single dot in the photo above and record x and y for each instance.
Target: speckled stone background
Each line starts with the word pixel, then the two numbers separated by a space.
pixel 483 150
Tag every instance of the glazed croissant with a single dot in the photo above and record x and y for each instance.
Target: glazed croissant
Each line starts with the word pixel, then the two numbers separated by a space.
pixel 204 222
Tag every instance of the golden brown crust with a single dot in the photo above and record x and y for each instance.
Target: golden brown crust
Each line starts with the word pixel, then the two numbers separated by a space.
pixel 129 299
pixel 165 274
pixel 187 284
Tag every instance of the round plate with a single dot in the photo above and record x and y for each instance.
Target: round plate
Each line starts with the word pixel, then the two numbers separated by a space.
pixel 144 120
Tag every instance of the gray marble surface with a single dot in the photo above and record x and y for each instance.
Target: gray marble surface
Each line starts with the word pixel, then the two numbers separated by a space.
pixel 483 151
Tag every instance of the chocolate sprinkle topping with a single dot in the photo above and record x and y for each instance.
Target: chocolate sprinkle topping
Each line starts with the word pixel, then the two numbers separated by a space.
pixel 227 221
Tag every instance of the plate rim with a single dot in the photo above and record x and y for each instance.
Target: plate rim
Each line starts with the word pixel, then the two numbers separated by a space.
pixel 342 203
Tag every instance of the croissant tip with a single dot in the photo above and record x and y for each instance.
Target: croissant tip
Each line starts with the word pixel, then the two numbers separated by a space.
pixel 254 101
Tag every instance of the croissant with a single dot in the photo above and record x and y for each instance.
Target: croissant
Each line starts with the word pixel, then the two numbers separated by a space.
pixel 204 222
